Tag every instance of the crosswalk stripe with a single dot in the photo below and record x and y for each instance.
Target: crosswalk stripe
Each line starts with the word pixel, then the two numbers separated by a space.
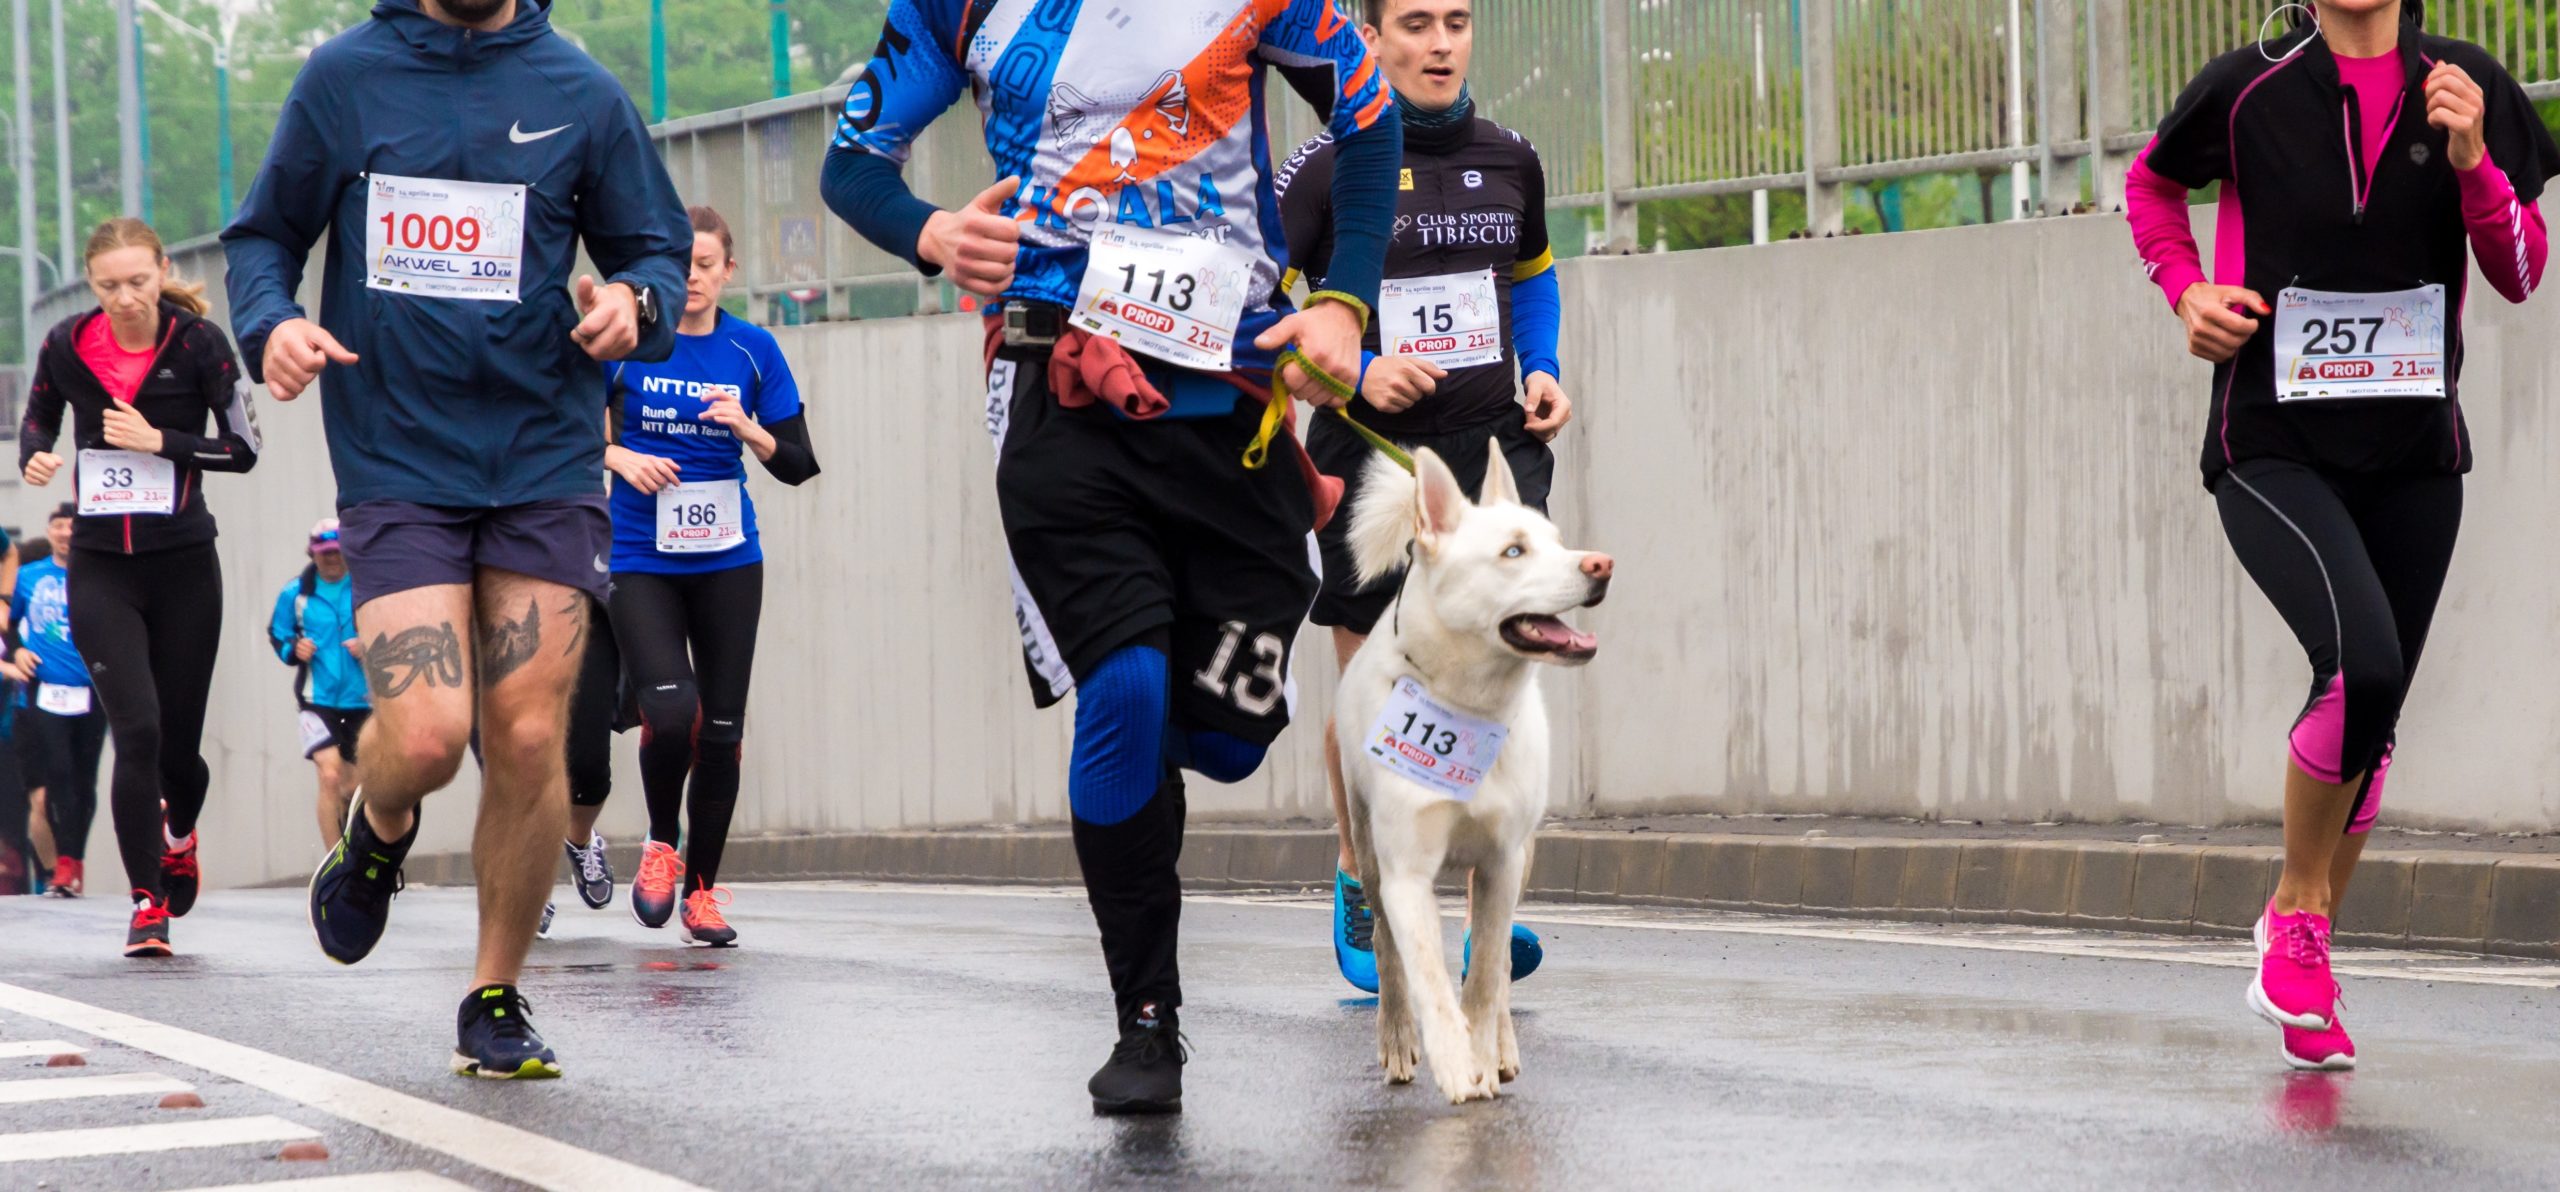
pixel 65 1088
pixel 135 1140
pixel 509 1151
pixel 26 1048
pixel 379 1181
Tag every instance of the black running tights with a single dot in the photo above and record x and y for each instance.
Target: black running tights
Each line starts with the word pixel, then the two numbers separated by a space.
pixel 688 643
pixel 148 627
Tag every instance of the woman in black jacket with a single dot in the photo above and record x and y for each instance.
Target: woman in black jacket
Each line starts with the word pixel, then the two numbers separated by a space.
pixel 144 372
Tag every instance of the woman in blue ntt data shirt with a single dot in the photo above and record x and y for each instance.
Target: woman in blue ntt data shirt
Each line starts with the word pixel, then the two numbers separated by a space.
pixel 688 574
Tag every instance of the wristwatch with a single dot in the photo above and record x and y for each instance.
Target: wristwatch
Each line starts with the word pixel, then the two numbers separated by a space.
pixel 647 301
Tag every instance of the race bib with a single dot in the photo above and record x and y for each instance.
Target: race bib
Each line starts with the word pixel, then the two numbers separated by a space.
pixel 2333 346
pixel 118 482
pixel 1454 320
pixel 1174 297
pixel 315 733
pixel 61 700
pixel 699 518
pixel 430 238
pixel 1438 746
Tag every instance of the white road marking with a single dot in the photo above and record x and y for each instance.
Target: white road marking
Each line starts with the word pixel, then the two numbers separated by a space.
pixel 2207 951
pixel 26 1048
pixel 505 1150
pixel 380 1181
pixel 65 1088
pixel 136 1140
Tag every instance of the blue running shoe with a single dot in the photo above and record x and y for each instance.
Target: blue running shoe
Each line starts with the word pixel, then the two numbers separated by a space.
pixel 351 891
pixel 1354 932
pixel 497 1038
pixel 1526 952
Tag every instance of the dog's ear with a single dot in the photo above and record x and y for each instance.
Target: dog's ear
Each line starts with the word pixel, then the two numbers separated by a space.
pixel 1438 502
pixel 1499 487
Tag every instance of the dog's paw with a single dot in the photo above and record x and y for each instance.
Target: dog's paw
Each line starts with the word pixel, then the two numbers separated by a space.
pixel 1509 1070
pixel 1469 1084
pixel 1399 1061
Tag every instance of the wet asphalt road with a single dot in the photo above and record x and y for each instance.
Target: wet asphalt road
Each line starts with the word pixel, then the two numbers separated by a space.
pixel 903 1037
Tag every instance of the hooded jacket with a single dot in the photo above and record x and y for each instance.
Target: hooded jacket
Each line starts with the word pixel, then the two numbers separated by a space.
pixel 459 402
pixel 192 382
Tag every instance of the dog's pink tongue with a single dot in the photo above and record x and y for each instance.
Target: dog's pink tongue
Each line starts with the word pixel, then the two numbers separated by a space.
pixel 1558 636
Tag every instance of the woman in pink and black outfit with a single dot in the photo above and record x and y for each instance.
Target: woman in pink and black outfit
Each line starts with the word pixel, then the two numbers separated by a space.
pixel 2362 164
pixel 144 373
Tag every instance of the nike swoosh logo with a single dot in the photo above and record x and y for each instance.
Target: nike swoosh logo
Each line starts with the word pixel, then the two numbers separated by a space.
pixel 516 133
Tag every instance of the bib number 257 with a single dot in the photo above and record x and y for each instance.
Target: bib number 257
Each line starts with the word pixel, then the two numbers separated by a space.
pixel 2338 337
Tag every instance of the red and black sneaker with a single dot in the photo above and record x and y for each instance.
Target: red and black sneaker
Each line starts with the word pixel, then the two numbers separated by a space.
pixel 66 877
pixel 149 935
pixel 179 875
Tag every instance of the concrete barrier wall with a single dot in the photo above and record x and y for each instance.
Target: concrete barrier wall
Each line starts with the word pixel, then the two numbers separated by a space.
pixel 1907 525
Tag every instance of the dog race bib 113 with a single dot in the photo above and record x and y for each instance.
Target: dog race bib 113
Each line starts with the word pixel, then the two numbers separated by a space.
pixel 119 482
pixel 431 238
pixel 1453 320
pixel 2332 346
pixel 1174 297
pixel 1429 742
pixel 61 700
pixel 700 518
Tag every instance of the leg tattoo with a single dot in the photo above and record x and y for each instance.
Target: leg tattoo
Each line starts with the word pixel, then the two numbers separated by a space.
pixel 429 652
pixel 579 638
pixel 508 645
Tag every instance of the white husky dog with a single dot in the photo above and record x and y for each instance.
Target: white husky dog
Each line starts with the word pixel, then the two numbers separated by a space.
pixel 1444 745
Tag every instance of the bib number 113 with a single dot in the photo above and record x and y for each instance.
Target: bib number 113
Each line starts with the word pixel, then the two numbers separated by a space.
pixel 1176 295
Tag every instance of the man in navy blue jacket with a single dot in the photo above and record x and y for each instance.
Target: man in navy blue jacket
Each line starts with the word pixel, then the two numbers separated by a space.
pixel 455 153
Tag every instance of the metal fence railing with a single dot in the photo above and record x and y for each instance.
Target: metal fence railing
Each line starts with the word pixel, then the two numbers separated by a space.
pixel 1631 101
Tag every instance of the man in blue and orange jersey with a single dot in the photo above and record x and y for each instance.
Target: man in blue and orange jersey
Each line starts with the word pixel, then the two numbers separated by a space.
pixel 1131 254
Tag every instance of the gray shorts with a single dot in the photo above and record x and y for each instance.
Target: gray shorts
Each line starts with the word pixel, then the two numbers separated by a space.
pixel 394 546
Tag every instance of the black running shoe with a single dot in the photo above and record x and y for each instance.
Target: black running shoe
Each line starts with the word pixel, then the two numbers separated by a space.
pixel 591 872
pixel 180 876
pixel 351 891
pixel 1145 1071
pixel 149 934
pixel 497 1040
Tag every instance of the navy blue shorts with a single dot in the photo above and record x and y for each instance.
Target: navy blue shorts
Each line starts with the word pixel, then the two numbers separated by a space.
pixel 394 546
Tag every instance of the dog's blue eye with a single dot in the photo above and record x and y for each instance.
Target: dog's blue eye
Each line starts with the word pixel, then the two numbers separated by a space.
pixel 1513 552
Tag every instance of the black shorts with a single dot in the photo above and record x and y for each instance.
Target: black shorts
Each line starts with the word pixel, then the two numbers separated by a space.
pixel 1338 452
pixel 394 546
pixel 326 727
pixel 1126 533
pixel 52 749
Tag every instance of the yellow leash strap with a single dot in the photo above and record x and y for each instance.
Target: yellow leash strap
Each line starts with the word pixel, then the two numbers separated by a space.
pixel 1258 452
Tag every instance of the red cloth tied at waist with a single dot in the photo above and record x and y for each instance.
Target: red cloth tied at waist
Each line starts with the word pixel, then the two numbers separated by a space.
pixel 1085 368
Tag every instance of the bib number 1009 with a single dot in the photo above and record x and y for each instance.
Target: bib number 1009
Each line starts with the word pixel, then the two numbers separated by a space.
pixel 439 233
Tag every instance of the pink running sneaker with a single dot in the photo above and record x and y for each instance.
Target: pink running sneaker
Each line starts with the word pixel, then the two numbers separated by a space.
pixel 2320 1051
pixel 2293 987
pixel 653 893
